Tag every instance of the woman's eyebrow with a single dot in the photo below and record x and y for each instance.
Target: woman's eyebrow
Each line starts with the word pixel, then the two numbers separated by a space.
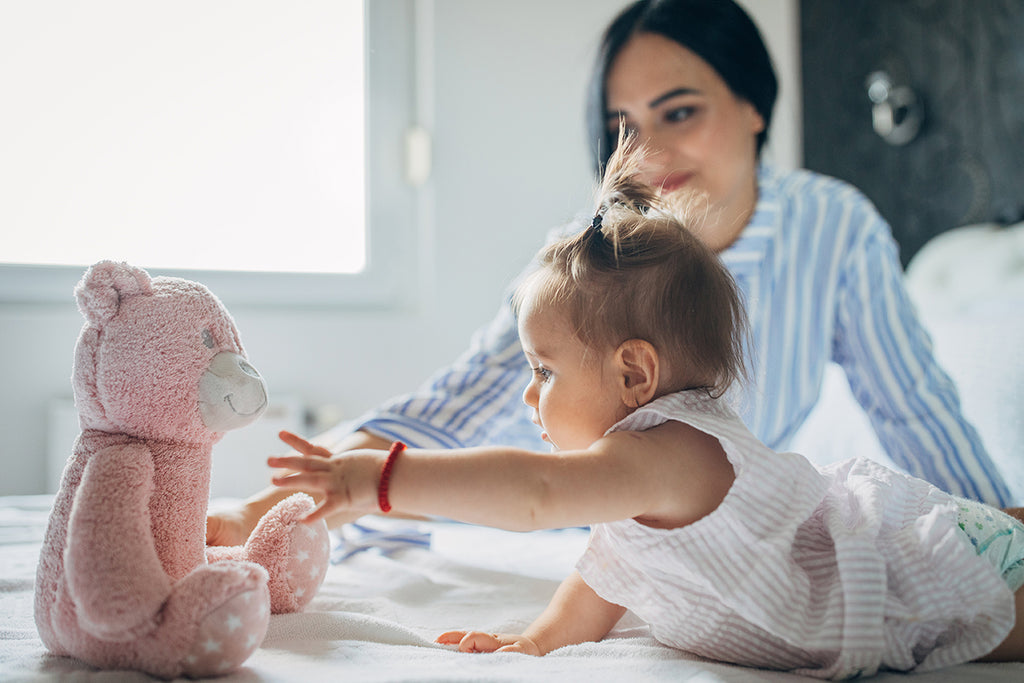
pixel 616 113
pixel 670 94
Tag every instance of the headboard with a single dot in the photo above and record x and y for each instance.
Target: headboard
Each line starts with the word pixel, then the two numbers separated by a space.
pixel 941 144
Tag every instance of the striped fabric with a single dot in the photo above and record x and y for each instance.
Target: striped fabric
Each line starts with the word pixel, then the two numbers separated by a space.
pixel 822 281
pixel 832 573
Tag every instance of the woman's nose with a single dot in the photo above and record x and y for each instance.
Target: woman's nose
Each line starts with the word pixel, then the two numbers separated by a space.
pixel 659 151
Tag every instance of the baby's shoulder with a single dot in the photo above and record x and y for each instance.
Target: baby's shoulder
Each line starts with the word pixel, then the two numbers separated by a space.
pixel 690 473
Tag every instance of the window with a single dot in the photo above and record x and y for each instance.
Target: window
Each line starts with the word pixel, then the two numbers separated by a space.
pixel 223 137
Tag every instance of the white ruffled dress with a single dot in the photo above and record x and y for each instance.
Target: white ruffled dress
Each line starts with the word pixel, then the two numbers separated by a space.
pixel 833 572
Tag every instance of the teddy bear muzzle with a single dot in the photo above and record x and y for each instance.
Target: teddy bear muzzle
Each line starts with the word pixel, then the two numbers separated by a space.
pixel 231 393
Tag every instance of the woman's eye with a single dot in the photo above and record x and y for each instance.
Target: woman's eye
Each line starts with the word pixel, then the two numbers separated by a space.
pixel 679 114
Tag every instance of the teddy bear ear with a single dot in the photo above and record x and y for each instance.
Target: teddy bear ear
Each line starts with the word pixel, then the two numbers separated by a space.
pixel 105 285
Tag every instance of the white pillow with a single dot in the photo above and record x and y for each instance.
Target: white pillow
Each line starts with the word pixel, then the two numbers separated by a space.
pixel 967 268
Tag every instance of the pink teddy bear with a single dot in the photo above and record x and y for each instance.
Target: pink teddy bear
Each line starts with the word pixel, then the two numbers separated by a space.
pixel 125 580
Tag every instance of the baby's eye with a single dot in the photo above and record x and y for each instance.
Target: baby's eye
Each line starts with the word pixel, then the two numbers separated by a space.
pixel 542 372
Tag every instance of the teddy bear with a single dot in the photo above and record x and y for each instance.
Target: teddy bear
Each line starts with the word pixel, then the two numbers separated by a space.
pixel 125 580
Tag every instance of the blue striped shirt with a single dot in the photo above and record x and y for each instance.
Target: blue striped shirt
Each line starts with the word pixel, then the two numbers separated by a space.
pixel 820 274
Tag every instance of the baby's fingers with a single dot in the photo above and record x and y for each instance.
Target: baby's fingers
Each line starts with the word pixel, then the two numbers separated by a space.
pixel 301 445
pixel 450 637
pixel 478 641
pixel 319 512
pixel 304 481
pixel 299 463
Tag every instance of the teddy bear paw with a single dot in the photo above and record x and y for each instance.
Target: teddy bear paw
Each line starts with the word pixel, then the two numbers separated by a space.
pixel 295 555
pixel 229 634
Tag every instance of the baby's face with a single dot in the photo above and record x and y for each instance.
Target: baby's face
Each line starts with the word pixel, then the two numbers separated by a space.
pixel 574 392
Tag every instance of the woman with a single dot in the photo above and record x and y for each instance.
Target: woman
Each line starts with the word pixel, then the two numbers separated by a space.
pixel 816 263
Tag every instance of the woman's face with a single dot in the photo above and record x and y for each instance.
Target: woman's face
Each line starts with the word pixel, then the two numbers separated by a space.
pixel 700 136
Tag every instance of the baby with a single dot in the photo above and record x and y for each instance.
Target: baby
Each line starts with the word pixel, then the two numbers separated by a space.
pixel 635 333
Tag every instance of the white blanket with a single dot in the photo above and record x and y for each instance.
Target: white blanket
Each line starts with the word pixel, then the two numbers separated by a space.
pixel 376 617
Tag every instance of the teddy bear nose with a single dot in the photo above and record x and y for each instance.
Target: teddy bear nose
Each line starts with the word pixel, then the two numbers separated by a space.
pixel 231 393
pixel 244 366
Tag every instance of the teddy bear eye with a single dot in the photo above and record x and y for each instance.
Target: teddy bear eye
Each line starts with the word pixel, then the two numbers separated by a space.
pixel 207 339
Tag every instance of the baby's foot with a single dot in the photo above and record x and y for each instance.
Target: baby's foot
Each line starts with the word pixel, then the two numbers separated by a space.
pixel 229 634
pixel 295 555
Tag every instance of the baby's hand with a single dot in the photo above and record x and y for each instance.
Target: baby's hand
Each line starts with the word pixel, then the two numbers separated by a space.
pixel 347 480
pixel 477 641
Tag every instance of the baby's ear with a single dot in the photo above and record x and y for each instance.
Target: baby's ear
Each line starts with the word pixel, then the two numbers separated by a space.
pixel 105 285
pixel 639 371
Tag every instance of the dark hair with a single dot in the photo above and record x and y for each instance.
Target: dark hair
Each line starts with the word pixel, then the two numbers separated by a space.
pixel 718 31
pixel 639 272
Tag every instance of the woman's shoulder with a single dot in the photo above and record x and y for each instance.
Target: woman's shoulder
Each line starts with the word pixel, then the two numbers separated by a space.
pixel 818 204
pixel 804 183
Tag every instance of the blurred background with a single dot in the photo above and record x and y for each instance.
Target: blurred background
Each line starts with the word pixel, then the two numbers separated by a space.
pixel 232 128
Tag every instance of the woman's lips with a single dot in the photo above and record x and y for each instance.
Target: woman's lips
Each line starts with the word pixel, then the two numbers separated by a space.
pixel 673 181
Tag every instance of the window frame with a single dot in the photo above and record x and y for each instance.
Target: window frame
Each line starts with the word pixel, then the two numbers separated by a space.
pixel 391 228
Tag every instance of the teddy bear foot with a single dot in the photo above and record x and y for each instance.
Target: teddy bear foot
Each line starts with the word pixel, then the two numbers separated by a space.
pixel 295 555
pixel 228 635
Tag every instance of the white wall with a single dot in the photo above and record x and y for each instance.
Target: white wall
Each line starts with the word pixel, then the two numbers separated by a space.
pixel 509 162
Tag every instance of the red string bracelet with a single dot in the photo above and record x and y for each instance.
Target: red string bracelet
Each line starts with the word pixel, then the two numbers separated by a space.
pixel 385 476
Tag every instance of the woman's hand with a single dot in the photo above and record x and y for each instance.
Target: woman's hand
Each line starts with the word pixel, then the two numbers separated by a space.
pixel 478 641
pixel 228 527
pixel 348 481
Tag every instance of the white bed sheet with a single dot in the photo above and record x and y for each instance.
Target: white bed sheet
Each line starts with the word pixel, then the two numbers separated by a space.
pixel 376 616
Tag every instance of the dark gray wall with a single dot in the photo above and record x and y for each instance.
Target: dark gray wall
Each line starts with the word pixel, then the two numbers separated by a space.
pixel 965 61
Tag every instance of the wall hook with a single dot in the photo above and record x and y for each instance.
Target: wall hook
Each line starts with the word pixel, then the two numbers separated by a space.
pixel 896 112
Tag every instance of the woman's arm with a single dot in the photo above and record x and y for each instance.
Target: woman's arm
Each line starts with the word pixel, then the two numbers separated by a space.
pixel 576 614
pixel 887 355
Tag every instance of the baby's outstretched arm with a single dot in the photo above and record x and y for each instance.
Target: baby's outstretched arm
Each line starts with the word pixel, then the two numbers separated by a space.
pixel 508 488
pixel 671 474
pixel 576 614
pixel 494 486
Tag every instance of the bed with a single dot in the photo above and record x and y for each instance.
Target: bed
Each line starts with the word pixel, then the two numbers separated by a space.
pixel 395 585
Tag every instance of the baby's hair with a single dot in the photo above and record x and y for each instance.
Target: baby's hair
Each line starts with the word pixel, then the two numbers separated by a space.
pixel 638 272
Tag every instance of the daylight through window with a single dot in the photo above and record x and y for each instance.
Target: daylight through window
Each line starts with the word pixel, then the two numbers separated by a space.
pixel 190 134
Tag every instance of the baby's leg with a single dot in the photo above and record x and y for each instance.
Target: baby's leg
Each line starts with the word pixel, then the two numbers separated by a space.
pixel 1012 647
